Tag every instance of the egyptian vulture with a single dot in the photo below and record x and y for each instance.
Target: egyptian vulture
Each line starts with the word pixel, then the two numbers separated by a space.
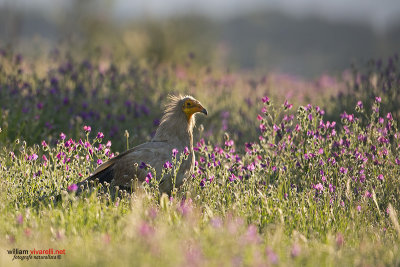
pixel 175 132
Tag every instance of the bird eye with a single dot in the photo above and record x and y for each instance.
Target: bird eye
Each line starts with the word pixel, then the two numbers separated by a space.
pixel 188 104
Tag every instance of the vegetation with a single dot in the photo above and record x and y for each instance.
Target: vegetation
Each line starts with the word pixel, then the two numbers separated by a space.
pixel 275 184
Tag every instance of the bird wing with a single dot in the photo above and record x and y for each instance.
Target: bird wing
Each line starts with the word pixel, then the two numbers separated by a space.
pixel 121 169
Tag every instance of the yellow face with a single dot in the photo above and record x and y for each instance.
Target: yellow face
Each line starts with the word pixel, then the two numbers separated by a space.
pixel 191 107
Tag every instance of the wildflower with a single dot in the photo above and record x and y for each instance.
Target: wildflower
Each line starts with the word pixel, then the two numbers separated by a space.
pixel 232 177
pixel 62 136
pixel 20 219
pixel 264 110
pixel 295 251
pixel 108 144
pixel 87 128
pixel 265 99
pixel 44 158
pixel 259 117
pixel 167 165
pixel 380 177
pixel 149 176
pixel 360 105
pixel 145 229
pixel 73 188
pixel 186 150
pixel 100 135
pixel 339 240
pixel 142 165
pixel 174 152
pixel 33 157
pixel 319 187
pixel 262 127
pixel 287 105
pixel 272 257
pixel 251 235
pixel 378 99
pixel 44 144
pixel 99 162
pixel 359 208
pixel 229 143
pixel 343 170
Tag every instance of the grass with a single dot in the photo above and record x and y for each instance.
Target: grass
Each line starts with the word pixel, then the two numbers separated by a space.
pixel 283 186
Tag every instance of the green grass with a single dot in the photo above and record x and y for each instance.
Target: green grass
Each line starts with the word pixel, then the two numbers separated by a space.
pixel 302 193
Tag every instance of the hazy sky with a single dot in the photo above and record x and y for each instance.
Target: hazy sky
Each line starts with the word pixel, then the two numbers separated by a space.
pixel 379 13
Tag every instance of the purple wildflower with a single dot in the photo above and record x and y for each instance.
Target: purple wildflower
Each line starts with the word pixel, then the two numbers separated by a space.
pixel 229 143
pixel 99 162
pixel 62 136
pixel 174 152
pixel 142 165
pixel 33 157
pixel 100 135
pixel 149 176
pixel 186 150
pixel 72 188
pixel 167 165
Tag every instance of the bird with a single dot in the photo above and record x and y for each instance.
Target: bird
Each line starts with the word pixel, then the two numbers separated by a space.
pixel 174 133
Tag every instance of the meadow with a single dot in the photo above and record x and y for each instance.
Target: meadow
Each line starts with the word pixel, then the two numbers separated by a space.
pixel 288 172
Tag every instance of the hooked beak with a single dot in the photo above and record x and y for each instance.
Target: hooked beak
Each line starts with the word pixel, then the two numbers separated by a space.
pixel 204 111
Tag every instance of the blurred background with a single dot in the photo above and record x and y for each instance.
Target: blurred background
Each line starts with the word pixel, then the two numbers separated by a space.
pixel 304 38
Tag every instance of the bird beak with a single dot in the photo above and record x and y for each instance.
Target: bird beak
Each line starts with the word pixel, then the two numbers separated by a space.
pixel 204 111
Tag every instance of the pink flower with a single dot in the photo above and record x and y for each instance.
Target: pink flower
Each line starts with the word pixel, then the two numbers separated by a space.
pixel 72 188
pixel 186 150
pixel 20 219
pixel 100 135
pixel 167 165
pixel 319 187
pixel 87 128
pixel 149 176
pixel 265 99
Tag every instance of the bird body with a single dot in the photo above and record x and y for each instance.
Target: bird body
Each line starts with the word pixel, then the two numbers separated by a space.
pixel 174 132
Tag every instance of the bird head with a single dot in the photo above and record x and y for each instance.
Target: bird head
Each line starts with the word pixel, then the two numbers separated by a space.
pixel 191 106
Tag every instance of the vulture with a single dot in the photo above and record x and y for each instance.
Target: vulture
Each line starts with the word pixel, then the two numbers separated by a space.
pixel 175 132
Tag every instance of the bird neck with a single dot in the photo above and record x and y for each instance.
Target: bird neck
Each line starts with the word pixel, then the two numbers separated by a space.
pixel 177 130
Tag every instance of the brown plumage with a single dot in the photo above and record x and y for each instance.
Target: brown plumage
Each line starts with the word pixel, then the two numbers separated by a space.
pixel 174 131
